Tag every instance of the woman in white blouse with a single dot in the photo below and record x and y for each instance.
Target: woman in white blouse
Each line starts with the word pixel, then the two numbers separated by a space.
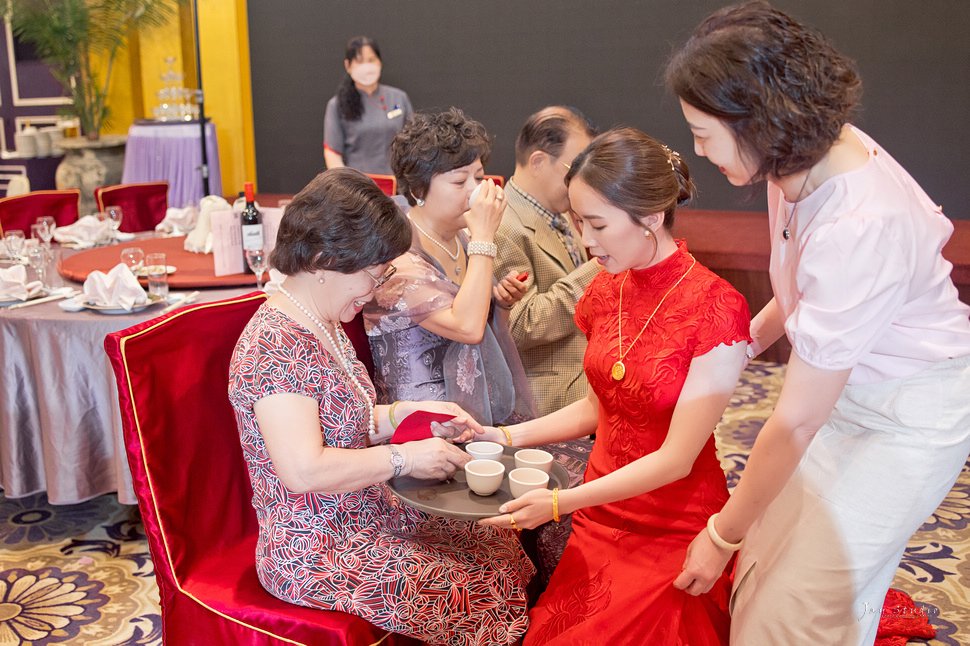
pixel 872 425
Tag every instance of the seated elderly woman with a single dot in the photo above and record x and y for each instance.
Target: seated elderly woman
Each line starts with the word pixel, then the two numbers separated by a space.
pixel 434 328
pixel 332 535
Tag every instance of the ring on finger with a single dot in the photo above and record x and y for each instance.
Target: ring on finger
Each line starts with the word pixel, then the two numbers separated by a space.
pixel 512 522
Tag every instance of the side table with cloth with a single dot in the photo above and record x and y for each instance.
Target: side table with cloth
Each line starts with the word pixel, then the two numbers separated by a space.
pixel 172 151
pixel 60 428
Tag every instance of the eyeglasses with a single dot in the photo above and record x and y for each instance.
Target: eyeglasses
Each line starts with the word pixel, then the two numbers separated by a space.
pixel 378 282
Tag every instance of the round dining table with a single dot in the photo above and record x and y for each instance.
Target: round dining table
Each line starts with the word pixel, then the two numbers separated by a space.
pixel 60 425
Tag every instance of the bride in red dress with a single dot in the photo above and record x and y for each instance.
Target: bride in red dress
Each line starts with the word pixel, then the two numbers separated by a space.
pixel 666 346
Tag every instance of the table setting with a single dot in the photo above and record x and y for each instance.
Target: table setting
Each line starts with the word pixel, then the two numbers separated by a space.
pixel 93 230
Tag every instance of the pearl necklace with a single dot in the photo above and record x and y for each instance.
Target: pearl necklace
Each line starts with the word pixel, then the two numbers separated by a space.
pixel 344 361
pixel 453 256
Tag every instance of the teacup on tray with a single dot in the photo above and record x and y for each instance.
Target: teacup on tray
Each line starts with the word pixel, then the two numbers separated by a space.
pixel 484 477
pixel 534 458
pixel 484 450
pixel 526 479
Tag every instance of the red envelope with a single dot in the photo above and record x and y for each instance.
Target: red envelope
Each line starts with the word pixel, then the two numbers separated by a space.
pixel 417 426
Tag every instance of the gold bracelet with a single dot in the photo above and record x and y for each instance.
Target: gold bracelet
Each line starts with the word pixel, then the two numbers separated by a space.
pixel 716 538
pixel 390 414
pixel 555 504
pixel 508 434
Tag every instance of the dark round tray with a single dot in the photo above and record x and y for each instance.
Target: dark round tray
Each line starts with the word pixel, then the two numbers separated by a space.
pixel 454 499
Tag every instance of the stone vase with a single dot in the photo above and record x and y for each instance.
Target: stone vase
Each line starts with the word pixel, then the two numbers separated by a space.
pixel 90 164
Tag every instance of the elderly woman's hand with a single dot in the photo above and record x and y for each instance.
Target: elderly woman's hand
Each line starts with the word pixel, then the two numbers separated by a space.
pixel 462 427
pixel 485 212
pixel 510 290
pixel 433 458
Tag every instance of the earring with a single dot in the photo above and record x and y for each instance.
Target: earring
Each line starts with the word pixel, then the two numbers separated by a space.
pixel 417 200
pixel 647 232
pixel 321 279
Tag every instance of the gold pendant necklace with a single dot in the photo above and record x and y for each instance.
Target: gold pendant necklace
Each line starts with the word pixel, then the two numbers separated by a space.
pixel 618 371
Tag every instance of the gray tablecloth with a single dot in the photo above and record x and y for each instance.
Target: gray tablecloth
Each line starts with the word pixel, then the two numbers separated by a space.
pixel 60 426
pixel 173 152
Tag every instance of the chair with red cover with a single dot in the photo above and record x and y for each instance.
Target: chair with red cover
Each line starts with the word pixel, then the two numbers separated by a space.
pixel 387 183
pixel 193 487
pixel 143 205
pixel 23 210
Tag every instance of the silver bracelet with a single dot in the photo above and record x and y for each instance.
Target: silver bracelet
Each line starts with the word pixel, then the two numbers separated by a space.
pixel 480 248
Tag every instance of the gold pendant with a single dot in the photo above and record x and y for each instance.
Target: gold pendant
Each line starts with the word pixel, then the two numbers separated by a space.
pixel 618 371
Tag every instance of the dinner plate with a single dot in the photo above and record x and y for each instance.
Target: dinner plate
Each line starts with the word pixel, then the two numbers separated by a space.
pixel 143 272
pixel 114 309
pixel 40 293
pixel 453 498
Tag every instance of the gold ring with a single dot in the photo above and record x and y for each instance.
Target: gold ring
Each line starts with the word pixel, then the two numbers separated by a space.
pixel 512 522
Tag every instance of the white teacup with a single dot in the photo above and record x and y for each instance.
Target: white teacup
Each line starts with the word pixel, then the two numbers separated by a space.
pixel 484 450
pixel 534 459
pixel 526 479
pixel 484 477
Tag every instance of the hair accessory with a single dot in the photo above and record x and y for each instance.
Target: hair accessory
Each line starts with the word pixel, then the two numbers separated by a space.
pixel 480 248
pixel 716 538
pixel 555 504
pixel 618 371
pixel 671 155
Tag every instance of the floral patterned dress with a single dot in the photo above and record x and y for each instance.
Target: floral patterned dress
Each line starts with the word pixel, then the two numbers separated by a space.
pixel 363 552
pixel 614 584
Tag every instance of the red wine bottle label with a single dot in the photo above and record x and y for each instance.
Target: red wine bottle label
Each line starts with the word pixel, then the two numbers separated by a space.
pixel 252 236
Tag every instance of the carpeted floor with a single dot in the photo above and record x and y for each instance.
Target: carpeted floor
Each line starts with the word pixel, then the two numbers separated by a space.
pixel 81 574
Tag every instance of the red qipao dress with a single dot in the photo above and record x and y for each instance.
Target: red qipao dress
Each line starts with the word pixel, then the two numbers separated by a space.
pixel 614 584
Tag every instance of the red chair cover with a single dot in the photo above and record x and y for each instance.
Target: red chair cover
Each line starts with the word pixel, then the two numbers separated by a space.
pixel 498 179
pixel 23 210
pixel 143 205
pixel 358 338
pixel 387 183
pixel 193 488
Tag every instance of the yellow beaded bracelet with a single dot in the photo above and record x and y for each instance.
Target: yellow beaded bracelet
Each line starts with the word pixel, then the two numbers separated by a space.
pixel 508 434
pixel 390 414
pixel 555 504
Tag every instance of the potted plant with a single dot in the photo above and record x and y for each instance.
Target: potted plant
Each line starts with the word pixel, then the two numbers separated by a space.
pixel 79 40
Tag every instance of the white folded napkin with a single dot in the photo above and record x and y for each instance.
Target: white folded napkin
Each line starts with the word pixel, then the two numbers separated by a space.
pixel 86 232
pixel 200 239
pixel 178 222
pixel 117 288
pixel 14 285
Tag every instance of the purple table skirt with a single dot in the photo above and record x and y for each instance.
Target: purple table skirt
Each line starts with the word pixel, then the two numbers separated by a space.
pixel 173 153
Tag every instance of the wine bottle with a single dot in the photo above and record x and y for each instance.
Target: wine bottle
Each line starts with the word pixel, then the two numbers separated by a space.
pixel 252 225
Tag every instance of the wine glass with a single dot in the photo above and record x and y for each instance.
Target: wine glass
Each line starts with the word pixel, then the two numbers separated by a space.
pixel 134 257
pixel 114 216
pixel 256 259
pixel 47 234
pixel 37 258
pixel 14 240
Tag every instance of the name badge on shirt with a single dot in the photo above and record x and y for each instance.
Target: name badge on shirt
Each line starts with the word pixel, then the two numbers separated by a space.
pixel 395 113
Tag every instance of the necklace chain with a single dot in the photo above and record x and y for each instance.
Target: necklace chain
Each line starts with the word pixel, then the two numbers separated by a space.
pixel 619 369
pixel 453 256
pixel 344 361
pixel 786 232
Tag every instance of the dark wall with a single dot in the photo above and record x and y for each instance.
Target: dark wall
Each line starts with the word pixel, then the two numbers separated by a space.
pixel 502 60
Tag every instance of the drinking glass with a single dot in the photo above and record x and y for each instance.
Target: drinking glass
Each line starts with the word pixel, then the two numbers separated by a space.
pixel 157 270
pixel 14 240
pixel 47 234
pixel 114 215
pixel 37 258
pixel 134 257
pixel 256 259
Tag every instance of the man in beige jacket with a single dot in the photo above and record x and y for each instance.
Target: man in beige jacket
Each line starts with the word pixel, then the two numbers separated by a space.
pixel 537 236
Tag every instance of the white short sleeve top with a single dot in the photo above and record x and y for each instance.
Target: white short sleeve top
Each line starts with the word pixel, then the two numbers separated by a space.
pixel 862 283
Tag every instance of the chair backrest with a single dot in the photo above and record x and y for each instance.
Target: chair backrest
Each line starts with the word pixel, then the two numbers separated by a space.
pixel 498 179
pixel 143 205
pixel 21 211
pixel 387 183
pixel 180 432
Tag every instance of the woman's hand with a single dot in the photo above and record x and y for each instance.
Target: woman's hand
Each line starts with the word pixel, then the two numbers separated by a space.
pixel 462 427
pixel 485 213
pixel 433 458
pixel 530 510
pixel 704 564
pixel 509 290
pixel 492 434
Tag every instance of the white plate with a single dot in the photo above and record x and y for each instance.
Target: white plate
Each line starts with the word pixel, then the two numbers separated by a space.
pixel 142 273
pixel 40 293
pixel 114 309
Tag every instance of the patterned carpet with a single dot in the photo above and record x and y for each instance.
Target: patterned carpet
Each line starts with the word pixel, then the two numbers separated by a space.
pixel 82 574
